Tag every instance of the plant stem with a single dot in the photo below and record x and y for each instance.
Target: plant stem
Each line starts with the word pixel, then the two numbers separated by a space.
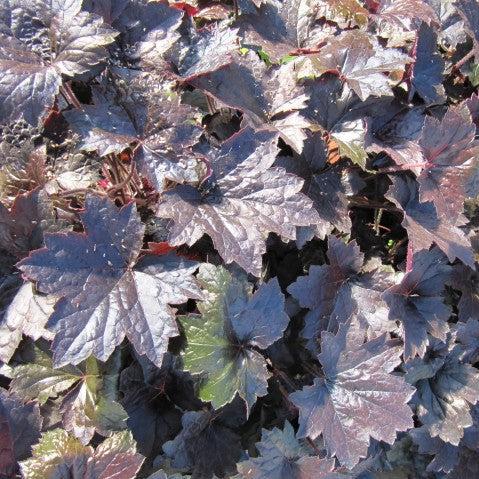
pixel 463 60
pixel 409 256
pixel 80 191
pixel 67 92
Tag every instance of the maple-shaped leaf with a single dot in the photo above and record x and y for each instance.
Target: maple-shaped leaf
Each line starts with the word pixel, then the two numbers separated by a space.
pixel 87 405
pixel 357 60
pixel 358 398
pixel 148 395
pixel 417 302
pixel 208 443
pixel 423 224
pixel 19 429
pixel 223 341
pixel 339 114
pixel 279 28
pixel 267 96
pixel 428 67
pixel 329 186
pixel 38 44
pixel 62 456
pixel 444 154
pixel 245 200
pixel 336 291
pixel 209 49
pixel 450 154
pixel 104 127
pixel 147 29
pixel 106 291
pixel 469 12
pixel 282 456
pixel 162 129
pixel 396 18
pixel 446 387
pixel 446 455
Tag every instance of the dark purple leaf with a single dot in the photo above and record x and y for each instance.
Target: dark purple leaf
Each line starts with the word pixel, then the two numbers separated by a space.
pixel 359 61
pixel 147 29
pixel 21 230
pixel 22 227
pixel 209 50
pixel 417 302
pixel 399 17
pixel 152 418
pixel 110 10
pixel 428 68
pixel 451 154
pixel 469 12
pixel 468 336
pixel 329 192
pixel 396 133
pixel 466 280
pixel 424 226
pixel 279 28
pixel 40 43
pixel 104 127
pixel 336 111
pixel 358 398
pixel 246 200
pixel 446 456
pixel 105 295
pixel 208 443
pixel 446 388
pixel 161 139
pixel 267 96
pixel 19 428
pixel 282 456
pixel 335 292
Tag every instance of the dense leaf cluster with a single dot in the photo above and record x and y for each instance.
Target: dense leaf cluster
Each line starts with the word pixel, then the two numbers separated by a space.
pixel 239 239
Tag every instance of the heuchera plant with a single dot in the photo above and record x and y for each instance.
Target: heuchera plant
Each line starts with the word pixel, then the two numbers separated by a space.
pixel 239 239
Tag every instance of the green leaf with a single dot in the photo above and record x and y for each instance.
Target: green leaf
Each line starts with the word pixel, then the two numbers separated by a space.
pixel 287 59
pixel 474 75
pixel 265 57
pixel 56 447
pixel 40 381
pixel 89 404
pixel 60 455
pixel 350 140
pixel 223 340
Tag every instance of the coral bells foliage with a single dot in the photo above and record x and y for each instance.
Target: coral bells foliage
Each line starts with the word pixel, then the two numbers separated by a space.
pixel 239 239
